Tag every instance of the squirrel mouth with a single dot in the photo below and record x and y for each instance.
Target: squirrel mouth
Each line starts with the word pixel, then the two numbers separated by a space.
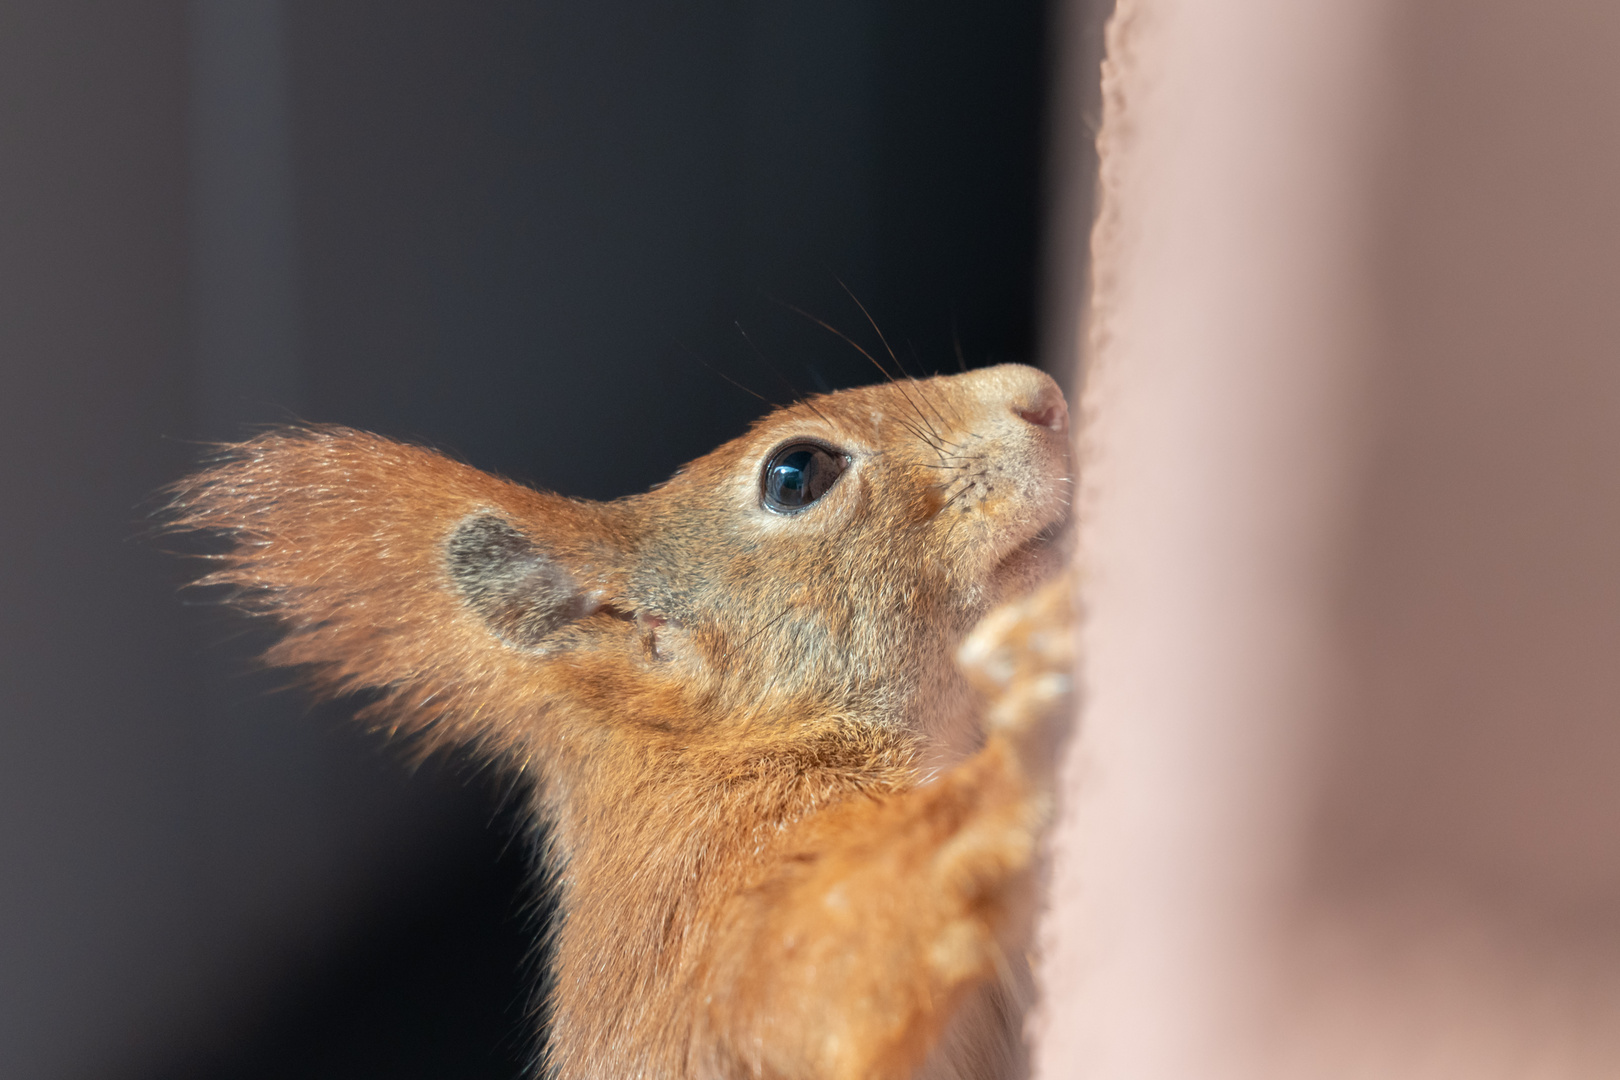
pixel 1040 554
pixel 1051 533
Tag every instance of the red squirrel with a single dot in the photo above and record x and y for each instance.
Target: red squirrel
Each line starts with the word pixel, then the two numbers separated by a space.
pixel 793 837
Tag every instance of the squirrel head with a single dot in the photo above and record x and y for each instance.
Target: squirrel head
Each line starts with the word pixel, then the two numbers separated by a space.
pixel 819 569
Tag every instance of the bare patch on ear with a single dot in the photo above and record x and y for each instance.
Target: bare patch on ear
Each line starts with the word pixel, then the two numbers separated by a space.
pixel 521 591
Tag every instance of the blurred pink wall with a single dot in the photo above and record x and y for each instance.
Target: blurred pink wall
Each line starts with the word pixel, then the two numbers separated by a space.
pixel 1346 799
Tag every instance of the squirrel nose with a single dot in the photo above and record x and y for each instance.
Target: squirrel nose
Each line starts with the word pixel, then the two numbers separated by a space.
pixel 1045 408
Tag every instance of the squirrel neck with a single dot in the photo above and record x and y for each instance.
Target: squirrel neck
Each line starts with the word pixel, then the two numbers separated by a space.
pixel 648 831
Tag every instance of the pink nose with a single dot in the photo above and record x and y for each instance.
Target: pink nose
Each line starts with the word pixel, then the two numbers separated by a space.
pixel 1048 410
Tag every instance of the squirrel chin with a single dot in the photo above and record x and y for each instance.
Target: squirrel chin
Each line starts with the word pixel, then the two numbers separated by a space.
pixel 1040 557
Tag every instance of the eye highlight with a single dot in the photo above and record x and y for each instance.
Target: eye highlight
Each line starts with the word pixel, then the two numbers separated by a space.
pixel 798 474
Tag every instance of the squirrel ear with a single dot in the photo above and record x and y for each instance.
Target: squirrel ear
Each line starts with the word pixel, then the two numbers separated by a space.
pixel 520 590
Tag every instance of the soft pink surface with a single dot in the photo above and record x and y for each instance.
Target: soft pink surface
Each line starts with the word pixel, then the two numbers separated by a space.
pixel 1346 801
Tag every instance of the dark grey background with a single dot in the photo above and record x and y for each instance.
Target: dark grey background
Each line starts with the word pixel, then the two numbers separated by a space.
pixel 525 232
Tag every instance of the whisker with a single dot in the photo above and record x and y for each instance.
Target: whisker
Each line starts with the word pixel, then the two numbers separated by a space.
pixel 875 328
pixel 750 638
pixel 929 401
pixel 938 448
pixel 690 352
pixel 956 345
pixel 759 702
pixel 798 397
pixel 878 330
pixel 965 489
pixel 852 343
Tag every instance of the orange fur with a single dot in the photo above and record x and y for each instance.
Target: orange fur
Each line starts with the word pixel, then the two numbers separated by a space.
pixel 786 844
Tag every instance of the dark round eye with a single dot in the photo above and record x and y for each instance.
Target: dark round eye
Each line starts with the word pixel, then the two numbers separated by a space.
pixel 799 474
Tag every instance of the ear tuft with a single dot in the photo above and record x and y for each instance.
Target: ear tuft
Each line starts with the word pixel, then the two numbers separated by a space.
pixel 523 593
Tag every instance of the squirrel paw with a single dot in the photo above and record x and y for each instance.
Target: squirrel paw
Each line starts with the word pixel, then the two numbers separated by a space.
pixel 1021 657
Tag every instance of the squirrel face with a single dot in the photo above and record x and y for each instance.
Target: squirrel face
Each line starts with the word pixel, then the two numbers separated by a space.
pixel 726 597
pixel 727 693
pixel 825 563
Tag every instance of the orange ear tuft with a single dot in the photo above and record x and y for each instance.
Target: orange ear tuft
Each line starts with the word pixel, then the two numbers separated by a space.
pixel 385 563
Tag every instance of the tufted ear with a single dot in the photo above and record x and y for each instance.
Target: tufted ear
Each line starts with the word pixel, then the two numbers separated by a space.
pixel 518 587
pixel 396 570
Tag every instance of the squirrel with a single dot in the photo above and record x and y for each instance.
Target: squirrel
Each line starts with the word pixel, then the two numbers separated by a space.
pixel 792 837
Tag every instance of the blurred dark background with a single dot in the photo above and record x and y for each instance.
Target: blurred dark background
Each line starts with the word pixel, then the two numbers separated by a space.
pixel 540 235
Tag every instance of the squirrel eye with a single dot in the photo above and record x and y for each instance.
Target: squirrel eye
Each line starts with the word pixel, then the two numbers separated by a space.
pixel 799 474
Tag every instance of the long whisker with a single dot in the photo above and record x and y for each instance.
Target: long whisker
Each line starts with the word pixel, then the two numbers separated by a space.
pixel 852 343
pixel 968 484
pixel 764 694
pixel 722 374
pixel 737 384
pixel 873 322
pixel 878 330
pixel 930 440
pixel 750 638
pixel 798 397
pixel 922 393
